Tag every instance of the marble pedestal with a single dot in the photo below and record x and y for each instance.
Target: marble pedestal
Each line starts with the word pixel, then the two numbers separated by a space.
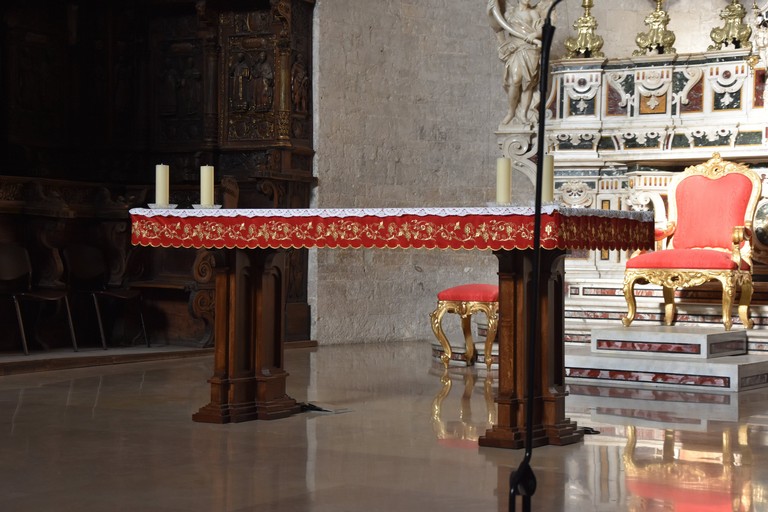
pixel 684 358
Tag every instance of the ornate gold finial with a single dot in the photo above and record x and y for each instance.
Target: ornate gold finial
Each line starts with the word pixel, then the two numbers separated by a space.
pixel 586 43
pixel 734 32
pixel 658 39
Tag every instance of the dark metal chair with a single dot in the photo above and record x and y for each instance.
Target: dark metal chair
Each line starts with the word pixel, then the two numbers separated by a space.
pixel 87 273
pixel 16 283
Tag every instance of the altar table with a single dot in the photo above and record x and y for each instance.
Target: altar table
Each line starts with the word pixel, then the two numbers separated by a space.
pixel 249 379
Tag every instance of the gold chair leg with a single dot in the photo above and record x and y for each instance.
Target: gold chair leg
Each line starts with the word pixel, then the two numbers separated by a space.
pixel 490 336
pixel 744 300
pixel 469 341
pixel 729 290
pixel 670 309
pixel 629 297
pixel 437 328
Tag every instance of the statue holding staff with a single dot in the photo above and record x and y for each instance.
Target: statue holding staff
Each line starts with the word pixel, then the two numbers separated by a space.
pixel 518 31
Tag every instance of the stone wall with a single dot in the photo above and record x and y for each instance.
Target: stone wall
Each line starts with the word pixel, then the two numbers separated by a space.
pixel 407 97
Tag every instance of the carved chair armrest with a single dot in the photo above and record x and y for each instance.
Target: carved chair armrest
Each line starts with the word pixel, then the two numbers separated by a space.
pixel 660 235
pixel 741 247
pixel 668 230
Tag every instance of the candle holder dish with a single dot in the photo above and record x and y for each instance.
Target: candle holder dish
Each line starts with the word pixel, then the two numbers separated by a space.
pixel 156 206
pixel 206 206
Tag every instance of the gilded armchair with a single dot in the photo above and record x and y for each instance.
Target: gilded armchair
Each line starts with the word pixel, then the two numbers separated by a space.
pixel 708 235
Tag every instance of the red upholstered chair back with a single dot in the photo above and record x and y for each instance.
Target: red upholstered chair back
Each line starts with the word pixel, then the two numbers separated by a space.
pixel 707 205
pixel 711 210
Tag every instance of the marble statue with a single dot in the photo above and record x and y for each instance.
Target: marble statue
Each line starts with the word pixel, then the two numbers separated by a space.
pixel 761 39
pixel 761 46
pixel 518 31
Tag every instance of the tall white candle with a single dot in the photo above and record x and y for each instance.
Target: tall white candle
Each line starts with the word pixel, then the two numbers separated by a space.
pixel 206 185
pixel 548 180
pixel 161 185
pixel 503 180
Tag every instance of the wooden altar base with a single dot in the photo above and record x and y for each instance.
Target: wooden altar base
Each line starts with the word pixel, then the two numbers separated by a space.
pixel 249 381
pixel 550 426
pixel 251 288
pixel 273 403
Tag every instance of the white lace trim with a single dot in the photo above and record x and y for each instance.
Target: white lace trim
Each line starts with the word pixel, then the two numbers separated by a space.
pixel 391 212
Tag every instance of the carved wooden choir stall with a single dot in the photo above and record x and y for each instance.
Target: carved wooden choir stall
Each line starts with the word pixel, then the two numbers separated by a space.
pixel 182 83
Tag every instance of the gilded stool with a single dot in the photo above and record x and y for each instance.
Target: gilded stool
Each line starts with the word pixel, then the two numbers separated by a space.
pixel 466 300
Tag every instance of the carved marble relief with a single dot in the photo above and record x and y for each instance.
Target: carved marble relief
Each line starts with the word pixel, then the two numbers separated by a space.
pixel 653 87
pixel 581 91
pixel 727 81
pixel 648 106
pixel 621 90
pixel 687 91
pixel 576 194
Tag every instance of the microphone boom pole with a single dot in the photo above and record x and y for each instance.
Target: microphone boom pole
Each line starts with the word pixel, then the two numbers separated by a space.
pixel 522 482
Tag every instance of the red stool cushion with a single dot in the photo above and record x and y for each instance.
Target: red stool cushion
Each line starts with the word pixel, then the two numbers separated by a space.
pixel 471 293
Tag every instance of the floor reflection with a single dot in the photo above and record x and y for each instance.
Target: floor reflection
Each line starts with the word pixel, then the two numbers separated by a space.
pixel 703 472
pixel 120 437
pixel 681 451
pixel 464 430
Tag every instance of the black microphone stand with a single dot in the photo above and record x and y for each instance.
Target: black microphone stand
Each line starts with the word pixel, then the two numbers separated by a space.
pixel 522 482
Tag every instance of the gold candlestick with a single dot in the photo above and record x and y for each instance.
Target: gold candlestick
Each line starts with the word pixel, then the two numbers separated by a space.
pixel 734 31
pixel 658 39
pixel 587 43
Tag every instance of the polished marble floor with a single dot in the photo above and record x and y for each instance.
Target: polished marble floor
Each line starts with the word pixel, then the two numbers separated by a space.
pixel 397 433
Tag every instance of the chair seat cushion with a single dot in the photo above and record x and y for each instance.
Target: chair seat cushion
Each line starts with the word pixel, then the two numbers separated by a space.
pixel 475 292
pixel 700 259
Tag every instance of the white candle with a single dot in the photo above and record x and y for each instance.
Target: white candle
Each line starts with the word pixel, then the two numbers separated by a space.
pixel 206 185
pixel 548 180
pixel 161 185
pixel 503 180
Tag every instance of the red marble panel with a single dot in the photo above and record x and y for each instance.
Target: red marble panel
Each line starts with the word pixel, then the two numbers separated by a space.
pixel 727 346
pixel 759 87
pixel 640 346
pixel 708 381
pixel 603 315
pixel 649 394
pixel 602 291
pixel 695 99
pixel 455 356
pixel 661 416
pixel 613 103
pixel 755 380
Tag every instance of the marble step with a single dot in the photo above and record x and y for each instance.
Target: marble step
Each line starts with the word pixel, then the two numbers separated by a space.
pixel 672 341
pixel 664 408
pixel 662 371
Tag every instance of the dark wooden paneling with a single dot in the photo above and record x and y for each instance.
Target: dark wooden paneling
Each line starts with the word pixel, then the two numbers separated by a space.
pixel 100 92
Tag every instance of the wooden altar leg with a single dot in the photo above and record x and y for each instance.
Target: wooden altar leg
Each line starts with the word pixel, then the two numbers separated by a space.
pixel 249 380
pixel 560 430
pixel 515 296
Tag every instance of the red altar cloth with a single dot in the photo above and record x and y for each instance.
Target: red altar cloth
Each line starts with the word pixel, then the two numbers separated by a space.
pixel 249 380
pixel 489 228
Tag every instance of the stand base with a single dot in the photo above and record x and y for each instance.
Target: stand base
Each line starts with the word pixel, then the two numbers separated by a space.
pixel 229 413
pixel 559 435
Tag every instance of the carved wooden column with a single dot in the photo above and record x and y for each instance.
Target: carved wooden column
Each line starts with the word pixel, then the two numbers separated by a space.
pixel 249 381
pixel 550 426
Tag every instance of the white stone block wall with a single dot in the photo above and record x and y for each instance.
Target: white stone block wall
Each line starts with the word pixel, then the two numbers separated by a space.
pixel 407 97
